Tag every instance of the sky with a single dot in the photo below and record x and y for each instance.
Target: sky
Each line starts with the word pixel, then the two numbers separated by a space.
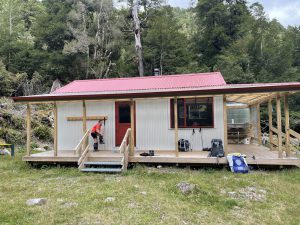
pixel 287 12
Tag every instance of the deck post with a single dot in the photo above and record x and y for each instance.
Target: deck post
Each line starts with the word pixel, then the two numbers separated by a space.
pixel 225 124
pixel 84 127
pixel 55 128
pixel 270 123
pixel 258 125
pixel 279 126
pixel 132 141
pixel 176 126
pixel 28 117
pixel 287 125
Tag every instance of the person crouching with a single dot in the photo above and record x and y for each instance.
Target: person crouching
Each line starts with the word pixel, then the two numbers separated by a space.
pixel 96 131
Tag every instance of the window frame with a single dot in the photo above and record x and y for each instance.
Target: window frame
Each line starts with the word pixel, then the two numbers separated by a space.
pixel 172 125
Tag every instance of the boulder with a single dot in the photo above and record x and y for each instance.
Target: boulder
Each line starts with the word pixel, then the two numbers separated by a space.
pixel 36 201
pixel 185 187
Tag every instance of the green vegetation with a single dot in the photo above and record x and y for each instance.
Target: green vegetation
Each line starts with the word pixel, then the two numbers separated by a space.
pixel 13 126
pixel 145 196
pixel 43 132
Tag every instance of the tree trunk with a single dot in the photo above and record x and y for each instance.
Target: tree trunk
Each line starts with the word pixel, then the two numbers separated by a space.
pixel 137 36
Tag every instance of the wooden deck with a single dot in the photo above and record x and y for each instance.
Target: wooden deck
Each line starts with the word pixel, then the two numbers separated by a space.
pixel 262 156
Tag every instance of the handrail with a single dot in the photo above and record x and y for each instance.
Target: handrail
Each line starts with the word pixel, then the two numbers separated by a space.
pixel 80 145
pixel 124 148
pixel 294 133
pixel 83 157
pixel 124 141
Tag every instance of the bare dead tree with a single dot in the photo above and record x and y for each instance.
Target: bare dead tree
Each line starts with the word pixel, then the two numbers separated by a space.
pixel 137 36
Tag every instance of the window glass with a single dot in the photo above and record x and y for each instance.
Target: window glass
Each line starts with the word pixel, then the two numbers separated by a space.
pixel 194 112
pixel 124 113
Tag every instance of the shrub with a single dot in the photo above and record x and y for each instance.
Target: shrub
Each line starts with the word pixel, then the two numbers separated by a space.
pixel 14 137
pixel 43 132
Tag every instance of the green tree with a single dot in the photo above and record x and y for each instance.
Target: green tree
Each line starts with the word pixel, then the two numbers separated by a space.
pixel 164 46
pixel 220 23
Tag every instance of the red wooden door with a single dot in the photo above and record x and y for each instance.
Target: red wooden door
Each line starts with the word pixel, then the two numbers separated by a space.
pixel 123 121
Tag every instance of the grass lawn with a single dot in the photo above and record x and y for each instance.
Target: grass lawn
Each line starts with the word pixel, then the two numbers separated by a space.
pixel 146 196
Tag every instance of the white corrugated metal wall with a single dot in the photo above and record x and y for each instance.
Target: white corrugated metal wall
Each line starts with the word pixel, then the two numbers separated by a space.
pixel 154 132
pixel 70 132
pixel 152 125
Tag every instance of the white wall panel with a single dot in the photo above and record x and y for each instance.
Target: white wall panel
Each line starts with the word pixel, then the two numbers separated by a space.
pixel 69 132
pixel 106 108
pixel 154 132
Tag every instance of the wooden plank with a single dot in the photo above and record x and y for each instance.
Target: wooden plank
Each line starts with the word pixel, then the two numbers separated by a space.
pixel 132 141
pixel 287 125
pixel 55 129
pixel 225 125
pixel 279 126
pixel 80 118
pixel 28 119
pixel 294 133
pixel 258 125
pixel 176 126
pixel 84 125
pixel 270 123
pixel 263 99
pixel 83 116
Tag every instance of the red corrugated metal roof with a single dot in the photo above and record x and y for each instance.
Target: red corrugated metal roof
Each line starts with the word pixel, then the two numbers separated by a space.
pixel 183 81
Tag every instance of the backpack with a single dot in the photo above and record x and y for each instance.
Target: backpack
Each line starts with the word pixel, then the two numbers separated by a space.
pixel 217 149
pixel 183 145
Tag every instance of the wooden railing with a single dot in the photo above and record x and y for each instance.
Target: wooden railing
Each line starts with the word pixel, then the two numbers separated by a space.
pixel 124 148
pixel 83 157
pixel 292 134
pixel 82 144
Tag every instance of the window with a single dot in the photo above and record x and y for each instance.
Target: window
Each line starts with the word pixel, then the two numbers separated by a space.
pixel 124 113
pixel 193 112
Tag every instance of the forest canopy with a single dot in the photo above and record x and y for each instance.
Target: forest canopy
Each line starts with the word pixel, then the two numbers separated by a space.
pixel 41 41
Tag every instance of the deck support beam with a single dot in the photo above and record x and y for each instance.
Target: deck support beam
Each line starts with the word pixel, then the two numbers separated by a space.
pixel 55 129
pixel 258 125
pixel 176 126
pixel 83 116
pixel 287 125
pixel 279 126
pixel 28 119
pixel 225 125
pixel 132 141
pixel 84 126
pixel 270 109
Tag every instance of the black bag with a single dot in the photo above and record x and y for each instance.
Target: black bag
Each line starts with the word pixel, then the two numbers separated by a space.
pixel 217 149
pixel 183 145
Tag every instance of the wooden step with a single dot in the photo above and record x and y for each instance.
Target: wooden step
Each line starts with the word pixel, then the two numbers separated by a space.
pixel 117 163
pixel 102 170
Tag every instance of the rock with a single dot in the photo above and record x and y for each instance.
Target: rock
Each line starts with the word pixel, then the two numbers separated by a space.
pixel 110 199
pixel 144 193
pixel 250 193
pixel 36 201
pixel 186 188
pixel 159 167
pixel 232 194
